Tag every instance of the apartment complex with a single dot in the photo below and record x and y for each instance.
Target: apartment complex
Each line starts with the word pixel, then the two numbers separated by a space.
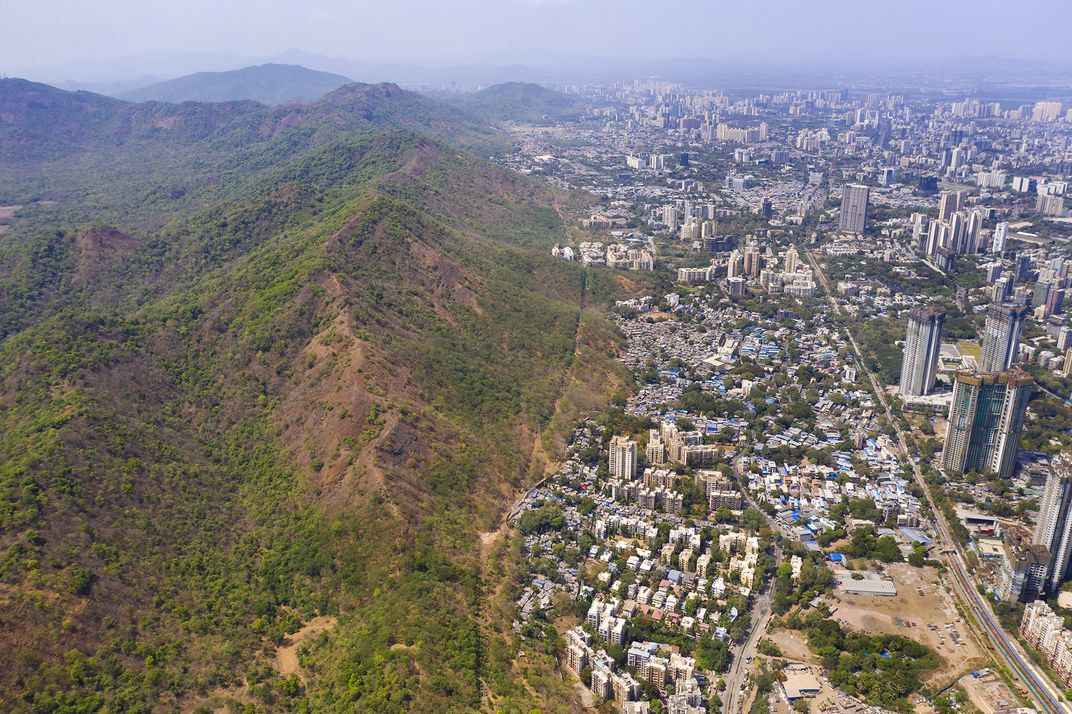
pixel 853 207
pixel 1045 630
pixel 1054 528
pixel 1001 337
pixel 923 343
pixel 986 419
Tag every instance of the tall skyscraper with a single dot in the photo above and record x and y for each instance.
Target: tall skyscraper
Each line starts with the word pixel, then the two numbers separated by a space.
pixel 853 207
pixel 734 264
pixel 1002 288
pixel 971 235
pixel 937 237
pixel 986 419
pixel 792 259
pixel 958 157
pixel 1046 111
pixel 922 345
pixel 997 242
pixel 1040 295
pixel 753 261
pixel 670 217
pixel 1054 529
pixel 623 458
pixel 958 225
pixel 919 231
pixel 1001 337
pixel 951 203
pixel 766 208
pixel 656 451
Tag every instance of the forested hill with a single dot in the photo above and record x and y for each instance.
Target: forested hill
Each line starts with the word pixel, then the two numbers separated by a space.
pixel 263 365
pixel 266 83
pixel 522 102
pixel 41 123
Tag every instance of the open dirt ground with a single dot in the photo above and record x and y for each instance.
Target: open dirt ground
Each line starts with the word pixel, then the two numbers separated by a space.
pixel 286 657
pixel 988 693
pixel 922 610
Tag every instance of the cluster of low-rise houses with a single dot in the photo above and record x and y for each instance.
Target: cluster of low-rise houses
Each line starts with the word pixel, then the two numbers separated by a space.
pixel 687 576
pixel 678 567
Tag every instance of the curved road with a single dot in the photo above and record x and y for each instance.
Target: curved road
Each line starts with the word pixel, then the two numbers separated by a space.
pixel 1032 679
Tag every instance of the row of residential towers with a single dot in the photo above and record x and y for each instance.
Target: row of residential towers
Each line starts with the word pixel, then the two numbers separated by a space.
pixel 986 415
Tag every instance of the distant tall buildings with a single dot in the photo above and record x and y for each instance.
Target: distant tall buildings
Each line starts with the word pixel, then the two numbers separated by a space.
pixel 748 135
pixel 792 260
pixel 951 202
pixel 1054 529
pixel 853 207
pixel 753 261
pixel 1003 288
pixel 656 450
pixel 923 343
pixel 734 264
pixel 670 217
pixel 919 231
pixel 1001 233
pixel 1001 337
pixel 1046 111
pixel 986 419
pixel 623 458
pixel 955 232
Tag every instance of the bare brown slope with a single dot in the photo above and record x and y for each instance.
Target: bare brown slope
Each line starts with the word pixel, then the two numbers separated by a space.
pixel 99 248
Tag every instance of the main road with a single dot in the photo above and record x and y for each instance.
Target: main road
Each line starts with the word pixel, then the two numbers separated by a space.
pixel 761 614
pixel 1033 681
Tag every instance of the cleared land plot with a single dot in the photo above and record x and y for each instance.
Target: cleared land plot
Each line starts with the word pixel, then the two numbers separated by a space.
pixel 988 693
pixel 922 610
pixel 792 645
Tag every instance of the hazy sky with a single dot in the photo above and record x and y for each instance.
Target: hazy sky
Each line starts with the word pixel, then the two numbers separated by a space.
pixel 46 32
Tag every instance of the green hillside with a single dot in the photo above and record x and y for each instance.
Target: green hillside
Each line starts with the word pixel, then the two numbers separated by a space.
pixel 42 124
pixel 300 389
pixel 266 83
pixel 522 102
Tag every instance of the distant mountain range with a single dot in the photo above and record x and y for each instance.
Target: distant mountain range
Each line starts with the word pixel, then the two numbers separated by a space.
pixel 266 83
pixel 116 76
pixel 41 121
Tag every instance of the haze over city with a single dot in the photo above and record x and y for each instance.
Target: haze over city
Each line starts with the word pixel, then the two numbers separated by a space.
pixel 123 38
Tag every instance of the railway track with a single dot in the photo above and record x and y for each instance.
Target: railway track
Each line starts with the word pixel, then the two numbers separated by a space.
pixel 1033 684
